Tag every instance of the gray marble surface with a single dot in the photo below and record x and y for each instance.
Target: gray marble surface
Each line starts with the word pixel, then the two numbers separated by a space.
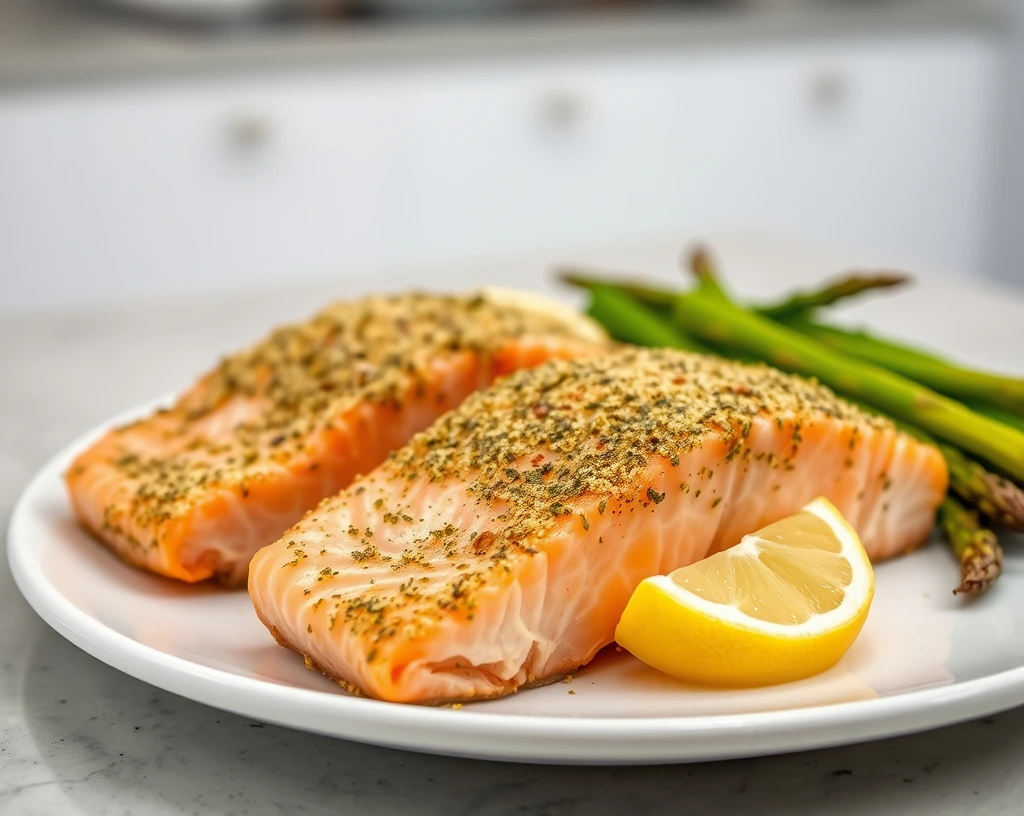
pixel 79 737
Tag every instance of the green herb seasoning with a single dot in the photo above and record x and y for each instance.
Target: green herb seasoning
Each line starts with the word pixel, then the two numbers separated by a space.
pixel 252 418
pixel 606 427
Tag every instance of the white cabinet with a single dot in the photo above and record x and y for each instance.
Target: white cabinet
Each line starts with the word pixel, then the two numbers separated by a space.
pixel 879 145
pixel 150 189
pixel 545 155
pixel 146 188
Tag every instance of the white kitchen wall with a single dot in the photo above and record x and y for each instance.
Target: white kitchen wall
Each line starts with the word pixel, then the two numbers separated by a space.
pixel 142 188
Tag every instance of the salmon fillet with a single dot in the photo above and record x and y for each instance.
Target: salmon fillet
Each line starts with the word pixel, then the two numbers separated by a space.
pixel 193 491
pixel 499 547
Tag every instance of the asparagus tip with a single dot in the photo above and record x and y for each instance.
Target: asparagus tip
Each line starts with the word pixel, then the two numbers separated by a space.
pixel 880 279
pixel 980 564
pixel 698 261
pixel 1006 501
pixel 575 276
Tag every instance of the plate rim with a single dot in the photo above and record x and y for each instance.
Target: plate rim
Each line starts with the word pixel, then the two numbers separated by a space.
pixel 483 735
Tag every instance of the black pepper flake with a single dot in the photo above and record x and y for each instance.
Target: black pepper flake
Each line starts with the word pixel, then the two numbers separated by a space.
pixel 655 496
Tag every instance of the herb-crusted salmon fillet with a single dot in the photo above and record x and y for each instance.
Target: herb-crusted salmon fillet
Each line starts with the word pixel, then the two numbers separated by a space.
pixel 499 547
pixel 193 491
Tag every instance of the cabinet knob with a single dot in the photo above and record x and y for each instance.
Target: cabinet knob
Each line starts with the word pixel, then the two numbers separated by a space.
pixel 247 132
pixel 561 109
pixel 829 90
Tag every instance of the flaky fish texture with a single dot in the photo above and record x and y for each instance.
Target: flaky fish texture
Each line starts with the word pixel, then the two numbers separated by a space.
pixel 193 491
pixel 499 547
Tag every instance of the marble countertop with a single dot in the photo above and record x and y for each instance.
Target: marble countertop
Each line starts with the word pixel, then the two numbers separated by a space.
pixel 78 737
pixel 59 42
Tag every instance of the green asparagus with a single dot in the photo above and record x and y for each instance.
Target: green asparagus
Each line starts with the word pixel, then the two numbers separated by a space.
pixel 977 549
pixel 997 498
pixel 998 415
pixel 803 303
pixel 719 322
pixel 661 299
pixel 650 296
pixel 701 265
pixel 939 374
pixel 629 321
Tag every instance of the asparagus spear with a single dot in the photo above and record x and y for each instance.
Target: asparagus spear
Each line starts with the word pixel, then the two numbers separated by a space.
pixel 650 296
pixel 703 268
pixel 997 498
pixel 941 375
pixel 660 298
pixel 977 549
pixel 630 321
pixel 1005 417
pixel 722 323
pixel 803 303
pixel 800 303
pixel 927 369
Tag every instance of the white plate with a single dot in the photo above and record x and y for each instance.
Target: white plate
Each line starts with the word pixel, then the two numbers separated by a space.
pixel 924 659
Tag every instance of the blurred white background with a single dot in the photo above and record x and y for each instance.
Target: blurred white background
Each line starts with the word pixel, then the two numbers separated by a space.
pixel 218 144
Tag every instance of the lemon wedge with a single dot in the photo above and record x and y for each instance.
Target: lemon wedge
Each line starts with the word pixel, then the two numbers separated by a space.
pixel 785 603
